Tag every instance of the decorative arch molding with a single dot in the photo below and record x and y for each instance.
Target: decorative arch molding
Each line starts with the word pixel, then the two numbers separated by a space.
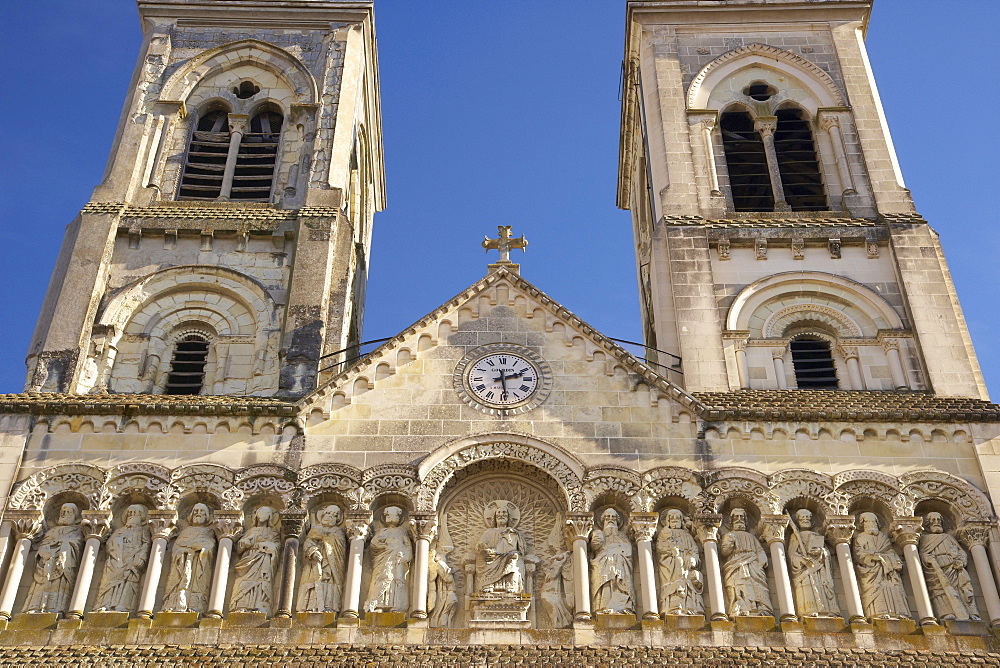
pixel 212 479
pixel 268 57
pixel 795 484
pixel 142 478
pixel 390 479
pixel 614 481
pixel 737 483
pixel 271 480
pixel 83 479
pixel 818 82
pixel 442 465
pixel 328 479
pixel 779 321
pixel 813 284
pixel 668 481
pixel 967 502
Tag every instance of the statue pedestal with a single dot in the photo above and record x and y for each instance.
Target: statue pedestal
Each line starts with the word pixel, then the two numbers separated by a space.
pixel 246 620
pixel 105 619
pixel 754 623
pixel 824 624
pixel 900 627
pixel 614 622
pixel 501 611
pixel 33 621
pixel 316 620
pixel 683 622
pixel 175 619
pixel 966 628
pixel 385 619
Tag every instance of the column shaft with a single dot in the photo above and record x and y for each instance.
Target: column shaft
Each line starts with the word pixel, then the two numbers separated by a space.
pixel 290 565
pixel 766 126
pixel 84 578
pixel 917 583
pixel 420 571
pixel 713 175
pixel 849 577
pixel 986 582
pixel 854 373
pixel 581 579
pixel 17 562
pixel 786 604
pixel 647 580
pixel 220 580
pixel 352 588
pixel 230 171
pixel 741 367
pixel 713 573
pixel 147 598
pixel 779 371
pixel 896 369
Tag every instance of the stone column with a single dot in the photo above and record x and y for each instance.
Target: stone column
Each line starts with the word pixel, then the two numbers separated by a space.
pixel 356 523
pixel 906 533
pixel 994 550
pixel 772 531
pixel 161 524
pixel 975 535
pixel 741 363
pixel 778 355
pixel 228 523
pixel 853 367
pixel 706 126
pixel 765 126
pixel 25 524
pixel 891 347
pixel 96 525
pixel 839 531
pixel 581 524
pixel 424 528
pixel 237 127
pixel 707 531
pixel 831 124
pixel 292 522
pixel 644 528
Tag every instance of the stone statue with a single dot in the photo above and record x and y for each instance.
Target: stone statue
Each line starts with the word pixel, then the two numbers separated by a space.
pixel 442 600
pixel 879 569
pixel 948 581
pixel 392 551
pixel 324 556
pixel 809 566
pixel 192 559
pixel 677 560
pixel 743 577
pixel 500 552
pixel 56 563
pixel 611 567
pixel 257 553
pixel 127 550
pixel 555 592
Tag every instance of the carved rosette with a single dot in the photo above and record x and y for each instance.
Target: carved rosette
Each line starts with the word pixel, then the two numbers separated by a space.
pixel 907 530
pixel 643 525
pixel 706 527
pixel 580 525
pixel 840 529
pixel 772 528
pixel 96 524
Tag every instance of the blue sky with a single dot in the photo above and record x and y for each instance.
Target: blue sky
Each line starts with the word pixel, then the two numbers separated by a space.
pixel 495 113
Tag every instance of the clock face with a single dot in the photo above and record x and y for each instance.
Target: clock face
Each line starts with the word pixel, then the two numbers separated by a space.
pixel 502 379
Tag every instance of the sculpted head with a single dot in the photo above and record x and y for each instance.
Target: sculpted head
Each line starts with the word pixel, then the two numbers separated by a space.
pixel 200 515
pixel 674 519
pixel 330 516
pixel 738 519
pixel 804 518
pixel 392 516
pixel 135 515
pixel 502 514
pixel 264 516
pixel 69 515
pixel 869 523
pixel 934 522
pixel 611 517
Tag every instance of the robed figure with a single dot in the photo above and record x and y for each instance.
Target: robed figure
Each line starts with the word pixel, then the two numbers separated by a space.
pixel 392 551
pixel 191 561
pixel 324 557
pixel 879 569
pixel 948 581
pixel 500 552
pixel 127 550
pixel 810 570
pixel 611 567
pixel 743 575
pixel 442 599
pixel 56 563
pixel 257 556
pixel 678 557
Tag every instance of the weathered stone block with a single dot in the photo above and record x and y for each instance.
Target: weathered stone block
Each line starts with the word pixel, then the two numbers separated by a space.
pixel 754 624
pixel 385 619
pixel 33 621
pixel 316 619
pixel 683 622
pixel 824 624
pixel 895 626
pixel 175 619
pixel 105 620
pixel 612 622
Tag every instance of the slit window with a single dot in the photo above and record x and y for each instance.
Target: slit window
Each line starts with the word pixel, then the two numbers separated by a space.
pixel 797 164
pixel 746 160
pixel 813 362
pixel 187 366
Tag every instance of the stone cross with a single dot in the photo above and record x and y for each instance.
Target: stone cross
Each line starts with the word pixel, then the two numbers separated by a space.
pixel 505 244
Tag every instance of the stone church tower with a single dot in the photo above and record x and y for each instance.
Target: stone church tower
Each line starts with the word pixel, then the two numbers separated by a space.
pixel 801 470
pixel 226 249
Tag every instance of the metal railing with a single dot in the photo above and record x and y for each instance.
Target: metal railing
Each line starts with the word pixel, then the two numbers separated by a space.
pixel 675 367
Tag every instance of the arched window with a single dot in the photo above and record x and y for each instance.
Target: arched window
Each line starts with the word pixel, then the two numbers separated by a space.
pixel 187 365
pixel 255 162
pixel 813 363
pixel 206 160
pixel 797 164
pixel 746 160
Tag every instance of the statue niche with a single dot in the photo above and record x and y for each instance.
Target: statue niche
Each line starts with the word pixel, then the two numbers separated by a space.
pixel 324 558
pixel 809 564
pixel 127 551
pixel 192 558
pixel 948 581
pixel 678 559
pixel 257 556
pixel 612 567
pixel 392 551
pixel 56 563
pixel 879 571
pixel 744 579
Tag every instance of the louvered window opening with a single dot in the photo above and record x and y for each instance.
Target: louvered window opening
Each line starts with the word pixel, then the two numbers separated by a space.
pixel 256 160
pixel 746 161
pixel 187 366
pixel 206 160
pixel 813 362
pixel 797 164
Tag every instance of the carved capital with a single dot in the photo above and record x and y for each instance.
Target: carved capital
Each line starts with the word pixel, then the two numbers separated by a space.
pixel 580 525
pixel 356 524
pixel 827 121
pixel 706 124
pixel 292 522
pixel 840 529
pixel 766 125
pixel 96 524
pixel 907 530
pixel 890 344
pixel 228 523
pixel 425 526
pixel 849 351
pixel 25 523
pixel 740 344
pixel 643 525
pixel 778 353
pixel 238 123
pixel 974 532
pixel 162 523
pixel 706 527
pixel 772 528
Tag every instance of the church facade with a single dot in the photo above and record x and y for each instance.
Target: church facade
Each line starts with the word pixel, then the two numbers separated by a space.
pixel 800 468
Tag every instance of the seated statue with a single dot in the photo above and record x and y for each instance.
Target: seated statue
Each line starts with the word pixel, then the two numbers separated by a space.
pixel 500 552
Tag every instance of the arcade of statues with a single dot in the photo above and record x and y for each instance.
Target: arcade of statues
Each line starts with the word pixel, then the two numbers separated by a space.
pixel 513 545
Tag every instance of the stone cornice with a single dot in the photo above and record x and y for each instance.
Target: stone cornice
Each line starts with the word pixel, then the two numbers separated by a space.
pixel 49 403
